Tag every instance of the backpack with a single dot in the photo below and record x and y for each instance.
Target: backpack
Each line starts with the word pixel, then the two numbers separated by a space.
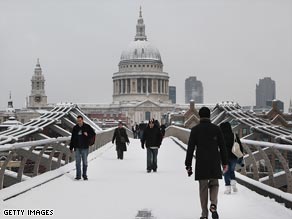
pixel 91 140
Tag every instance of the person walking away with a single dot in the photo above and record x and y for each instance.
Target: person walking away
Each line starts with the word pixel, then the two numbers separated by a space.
pixel 142 127
pixel 230 138
pixel 162 130
pixel 207 139
pixel 152 139
pixel 137 131
pixel 121 138
pixel 82 134
pixel 134 131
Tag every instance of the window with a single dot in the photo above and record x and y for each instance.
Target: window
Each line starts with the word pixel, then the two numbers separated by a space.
pixel 144 85
pixel 154 86
pixel 128 86
pixel 124 86
pixel 120 86
pixel 139 85
pixel 150 85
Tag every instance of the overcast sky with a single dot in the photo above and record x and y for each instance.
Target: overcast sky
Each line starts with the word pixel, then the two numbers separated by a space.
pixel 228 44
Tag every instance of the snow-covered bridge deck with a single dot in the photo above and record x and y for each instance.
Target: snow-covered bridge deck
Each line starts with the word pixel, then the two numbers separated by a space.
pixel 119 189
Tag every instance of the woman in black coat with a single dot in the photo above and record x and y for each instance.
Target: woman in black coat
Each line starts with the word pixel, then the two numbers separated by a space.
pixel 230 138
pixel 121 138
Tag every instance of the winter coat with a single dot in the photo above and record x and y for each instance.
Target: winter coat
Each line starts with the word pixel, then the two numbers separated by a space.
pixel 78 139
pixel 229 141
pixel 152 137
pixel 118 133
pixel 208 141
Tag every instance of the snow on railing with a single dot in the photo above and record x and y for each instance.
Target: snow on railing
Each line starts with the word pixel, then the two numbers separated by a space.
pixel 34 158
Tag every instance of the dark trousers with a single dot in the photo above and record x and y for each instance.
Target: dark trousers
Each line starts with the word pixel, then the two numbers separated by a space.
pixel 152 159
pixel 120 154
pixel 205 186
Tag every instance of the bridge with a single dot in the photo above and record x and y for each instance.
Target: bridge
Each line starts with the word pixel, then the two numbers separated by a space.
pixel 39 172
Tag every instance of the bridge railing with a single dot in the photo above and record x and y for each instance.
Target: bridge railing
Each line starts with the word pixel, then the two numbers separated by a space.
pixel 265 163
pixel 25 160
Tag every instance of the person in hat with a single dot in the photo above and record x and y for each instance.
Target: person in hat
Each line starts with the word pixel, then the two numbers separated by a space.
pixel 208 142
pixel 121 138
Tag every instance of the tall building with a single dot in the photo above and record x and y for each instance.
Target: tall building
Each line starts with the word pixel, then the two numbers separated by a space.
pixel 290 107
pixel 140 74
pixel 37 97
pixel 172 94
pixel 194 90
pixel 265 90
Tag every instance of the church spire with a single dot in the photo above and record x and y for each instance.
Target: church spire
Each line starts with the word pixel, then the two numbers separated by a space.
pixel 10 102
pixel 140 28
pixel 38 69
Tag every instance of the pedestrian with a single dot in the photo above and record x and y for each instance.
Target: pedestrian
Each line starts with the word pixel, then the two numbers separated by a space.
pixel 134 130
pixel 121 138
pixel 207 139
pixel 162 130
pixel 142 127
pixel 137 130
pixel 152 139
pixel 82 135
pixel 229 175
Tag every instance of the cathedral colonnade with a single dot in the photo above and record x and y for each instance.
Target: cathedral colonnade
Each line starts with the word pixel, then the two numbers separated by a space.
pixel 141 85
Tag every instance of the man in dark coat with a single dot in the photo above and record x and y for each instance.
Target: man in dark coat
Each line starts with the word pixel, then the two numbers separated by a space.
pixel 152 138
pixel 81 137
pixel 207 139
pixel 121 138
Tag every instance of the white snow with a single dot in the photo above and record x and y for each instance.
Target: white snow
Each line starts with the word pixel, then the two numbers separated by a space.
pixel 117 189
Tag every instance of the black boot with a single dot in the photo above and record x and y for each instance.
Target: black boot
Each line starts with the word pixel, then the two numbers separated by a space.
pixel 84 175
pixel 213 210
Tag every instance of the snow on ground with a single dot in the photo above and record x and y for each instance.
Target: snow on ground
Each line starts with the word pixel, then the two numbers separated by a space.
pixel 117 189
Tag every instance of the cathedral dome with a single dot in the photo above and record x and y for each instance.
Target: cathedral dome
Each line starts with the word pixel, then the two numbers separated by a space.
pixel 141 49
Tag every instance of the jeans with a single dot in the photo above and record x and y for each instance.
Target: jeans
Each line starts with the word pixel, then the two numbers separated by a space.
pixel 230 175
pixel 81 154
pixel 152 159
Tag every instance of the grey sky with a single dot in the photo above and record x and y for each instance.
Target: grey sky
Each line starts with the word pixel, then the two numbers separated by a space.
pixel 227 44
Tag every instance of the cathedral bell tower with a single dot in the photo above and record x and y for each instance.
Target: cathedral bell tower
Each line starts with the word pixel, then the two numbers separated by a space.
pixel 37 97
